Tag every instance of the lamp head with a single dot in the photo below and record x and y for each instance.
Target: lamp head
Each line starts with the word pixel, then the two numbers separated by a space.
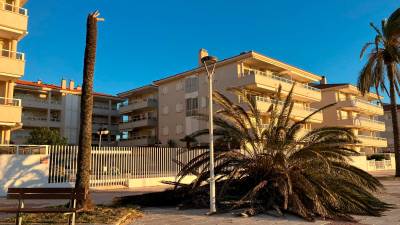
pixel 209 59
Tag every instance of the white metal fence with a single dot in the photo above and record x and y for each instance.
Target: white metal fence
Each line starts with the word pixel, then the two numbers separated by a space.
pixel 111 166
pixel 374 165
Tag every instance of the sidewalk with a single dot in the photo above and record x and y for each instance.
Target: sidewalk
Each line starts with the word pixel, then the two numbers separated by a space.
pixel 171 216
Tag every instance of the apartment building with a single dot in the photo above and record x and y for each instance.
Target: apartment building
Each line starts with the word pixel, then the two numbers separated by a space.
pixel 353 110
pixel 388 134
pixel 13 28
pixel 183 95
pixel 58 107
pixel 139 113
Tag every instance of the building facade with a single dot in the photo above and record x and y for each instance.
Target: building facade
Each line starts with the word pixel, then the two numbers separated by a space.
pixel 58 107
pixel 140 115
pixel 182 96
pixel 352 109
pixel 13 28
pixel 388 134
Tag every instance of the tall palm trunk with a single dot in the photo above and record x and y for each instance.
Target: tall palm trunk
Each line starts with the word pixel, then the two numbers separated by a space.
pixel 393 109
pixel 85 133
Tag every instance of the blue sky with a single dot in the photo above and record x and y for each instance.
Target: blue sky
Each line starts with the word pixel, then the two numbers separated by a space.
pixel 142 41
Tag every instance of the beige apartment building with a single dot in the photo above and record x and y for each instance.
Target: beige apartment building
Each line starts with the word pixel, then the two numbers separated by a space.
pixel 183 95
pixel 58 107
pixel 139 113
pixel 353 110
pixel 13 28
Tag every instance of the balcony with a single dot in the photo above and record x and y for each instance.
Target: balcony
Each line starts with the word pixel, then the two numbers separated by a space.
pixel 140 123
pixel 138 141
pixel 32 102
pixel 364 123
pixel 298 112
pixel 104 110
pixel 378 142
pixel 40 121
pixel 138 105
pixel 12 63
pixel 266 81
pixel 360 105
pixel 14 21
pixel 10 111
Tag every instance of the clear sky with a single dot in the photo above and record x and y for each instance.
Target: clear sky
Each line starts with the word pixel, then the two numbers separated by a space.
pixel 142 41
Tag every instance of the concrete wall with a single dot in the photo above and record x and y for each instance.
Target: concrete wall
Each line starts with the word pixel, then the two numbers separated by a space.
pixel 24 171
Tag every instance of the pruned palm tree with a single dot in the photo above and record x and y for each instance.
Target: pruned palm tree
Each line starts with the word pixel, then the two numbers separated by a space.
pixel 85 132
pixel 279 169
pixel 382 69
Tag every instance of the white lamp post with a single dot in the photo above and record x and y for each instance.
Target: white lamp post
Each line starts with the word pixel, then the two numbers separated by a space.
pixel 100 132
pixel 209 64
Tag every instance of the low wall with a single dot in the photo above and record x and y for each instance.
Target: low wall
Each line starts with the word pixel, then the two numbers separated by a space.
pixel 148 182
pixel 372 165
pixel 22 171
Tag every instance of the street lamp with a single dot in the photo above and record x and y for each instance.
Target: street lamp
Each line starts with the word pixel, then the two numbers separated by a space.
pixel 209 64
pixel 100 132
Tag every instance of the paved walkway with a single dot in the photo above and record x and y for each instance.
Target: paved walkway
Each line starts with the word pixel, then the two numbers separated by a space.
pixel 171 216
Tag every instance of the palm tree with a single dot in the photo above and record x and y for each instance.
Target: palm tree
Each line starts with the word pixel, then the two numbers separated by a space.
pixel 85 133
pixel 280 169
pixel 381 69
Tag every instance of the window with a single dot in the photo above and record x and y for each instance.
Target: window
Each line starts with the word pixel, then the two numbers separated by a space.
pixel 165 110
pixel 203 102
pixel 179 129
pixel 179 86
pixel 191 84
pixel 179 107
pixel 192 106
pixel 165 90
pixel 165 130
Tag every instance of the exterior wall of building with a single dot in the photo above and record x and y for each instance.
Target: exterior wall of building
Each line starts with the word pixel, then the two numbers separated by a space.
pixel 13 28
pixel 174 124
pixel 388 134
pixel 139 117
pixel 59 108
pixel 354 111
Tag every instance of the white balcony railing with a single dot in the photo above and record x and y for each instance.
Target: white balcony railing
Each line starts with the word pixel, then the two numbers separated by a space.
pixel 10 101
pixel 12 8
pixel 268 100
pixel 247 72
pixel 12 54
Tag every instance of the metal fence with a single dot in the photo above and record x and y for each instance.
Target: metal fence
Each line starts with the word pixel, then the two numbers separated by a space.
pixel 374 165
pixel 111 166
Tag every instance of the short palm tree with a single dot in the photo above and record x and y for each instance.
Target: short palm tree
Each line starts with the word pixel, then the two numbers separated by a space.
pixel 382 69
pixel 279 169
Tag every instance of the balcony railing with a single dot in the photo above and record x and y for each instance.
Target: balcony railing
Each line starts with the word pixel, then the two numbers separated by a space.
pixel 12 54
pixel 10 101
pixel 12 8
pixel 140 137
pixel 365 102
pixel 370 120
pixel 268 100
pixel 372 137
pixel 34 118
pixel 279 78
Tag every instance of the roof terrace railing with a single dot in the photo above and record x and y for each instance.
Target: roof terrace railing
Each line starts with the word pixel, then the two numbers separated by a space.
pixel 275 77
pixel 12 54
pixel 10 101
pixel 12 8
